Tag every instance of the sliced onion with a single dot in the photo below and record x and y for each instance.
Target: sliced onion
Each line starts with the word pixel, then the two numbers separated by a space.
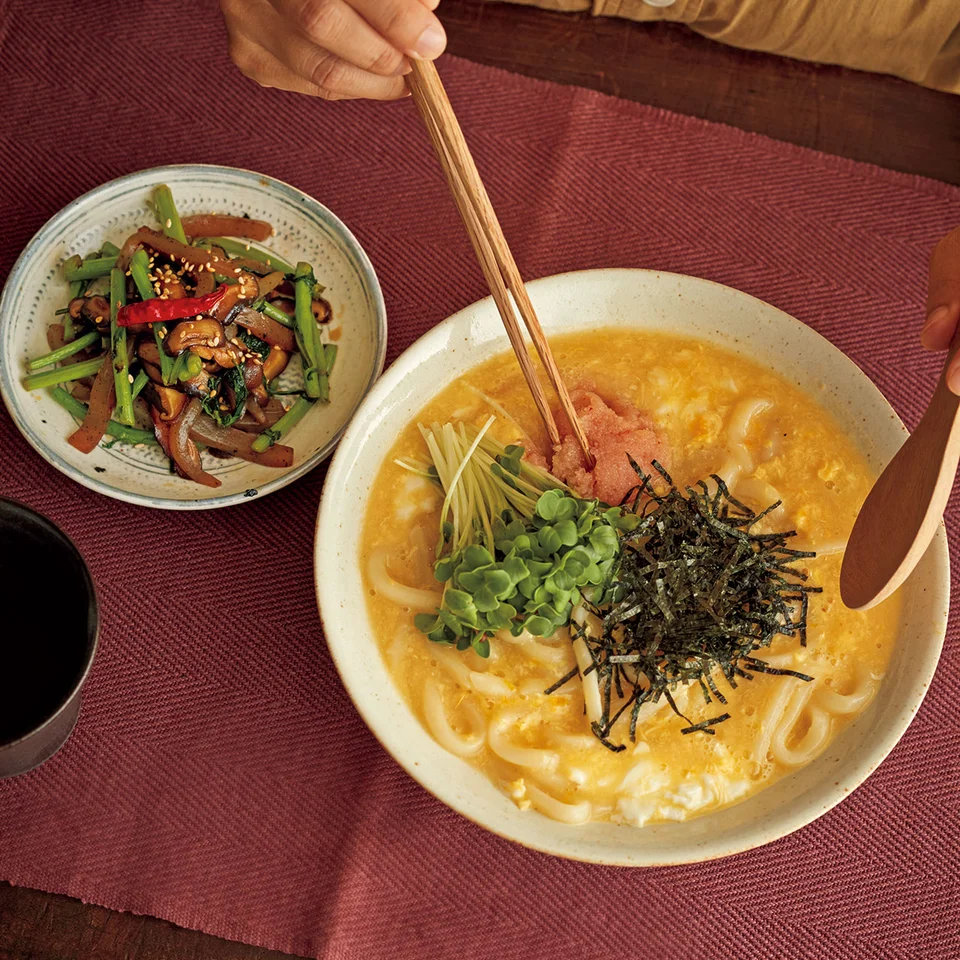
pixel 270 282
pixel 255 412
pixel 276 334
pixel 178 251
pixel 161 430
pixel 102 400
pixel 183 450
pixel 55 336
pixel 271 413
pixel 205 283
pixel 218 225
pixel 257 417
pixel 239 443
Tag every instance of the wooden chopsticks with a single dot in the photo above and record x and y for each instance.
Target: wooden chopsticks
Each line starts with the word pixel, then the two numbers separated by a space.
pixel 499 268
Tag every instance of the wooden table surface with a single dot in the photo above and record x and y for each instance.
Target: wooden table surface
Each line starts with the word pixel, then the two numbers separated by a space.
pixel 863 116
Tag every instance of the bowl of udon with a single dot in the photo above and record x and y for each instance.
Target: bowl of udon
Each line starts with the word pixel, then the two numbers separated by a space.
pixel 645 661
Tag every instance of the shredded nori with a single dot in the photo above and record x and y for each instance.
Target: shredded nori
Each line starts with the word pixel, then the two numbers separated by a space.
pixel 696 591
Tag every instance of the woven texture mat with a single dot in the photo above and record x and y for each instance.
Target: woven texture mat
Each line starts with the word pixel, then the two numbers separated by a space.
pixel 220 777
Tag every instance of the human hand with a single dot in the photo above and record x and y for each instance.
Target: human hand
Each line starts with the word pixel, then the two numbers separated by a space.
pixel 943 302
pixel 334 49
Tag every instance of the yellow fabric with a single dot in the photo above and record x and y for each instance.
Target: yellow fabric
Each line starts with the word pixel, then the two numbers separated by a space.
pixel 918 40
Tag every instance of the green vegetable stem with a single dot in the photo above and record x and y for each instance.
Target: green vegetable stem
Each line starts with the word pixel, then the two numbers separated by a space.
pixel 308 336
pixel 140 272
pixel 122 380
pixel 75 371
pixel 88 269
pixel 167 213
pixel 61 353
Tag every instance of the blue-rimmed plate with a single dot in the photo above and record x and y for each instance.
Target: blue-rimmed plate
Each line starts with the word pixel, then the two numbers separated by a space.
pixel 305 230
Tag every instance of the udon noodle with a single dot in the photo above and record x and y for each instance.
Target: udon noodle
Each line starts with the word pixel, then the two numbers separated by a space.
pixel 718 413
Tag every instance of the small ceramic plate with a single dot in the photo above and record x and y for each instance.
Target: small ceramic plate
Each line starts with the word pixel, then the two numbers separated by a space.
pixel 305 230
pixel 632 301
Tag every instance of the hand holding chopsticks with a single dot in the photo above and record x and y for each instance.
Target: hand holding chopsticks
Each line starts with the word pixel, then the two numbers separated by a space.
pixel 499 268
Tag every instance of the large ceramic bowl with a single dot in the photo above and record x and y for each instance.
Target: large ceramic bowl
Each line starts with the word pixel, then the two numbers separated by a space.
pixel 306 230
pixel 633 300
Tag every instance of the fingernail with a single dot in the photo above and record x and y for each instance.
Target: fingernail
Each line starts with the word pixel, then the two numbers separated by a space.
pixel 430 43
pixel 403 69
pixel 953 379
pixel 934 319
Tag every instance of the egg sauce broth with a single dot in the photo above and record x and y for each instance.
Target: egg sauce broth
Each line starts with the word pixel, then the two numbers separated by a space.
pixel 719 413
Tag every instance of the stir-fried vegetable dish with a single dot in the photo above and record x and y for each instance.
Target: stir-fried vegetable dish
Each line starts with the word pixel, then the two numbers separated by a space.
pixel 179 338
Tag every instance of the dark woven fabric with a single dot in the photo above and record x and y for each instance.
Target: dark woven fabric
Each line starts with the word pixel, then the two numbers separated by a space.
pixel 220 777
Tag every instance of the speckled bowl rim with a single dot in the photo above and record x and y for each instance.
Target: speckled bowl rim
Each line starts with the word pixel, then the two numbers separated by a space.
pixel 11 389
pixel 340 629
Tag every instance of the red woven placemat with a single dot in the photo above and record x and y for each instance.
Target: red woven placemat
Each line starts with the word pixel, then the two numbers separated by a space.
pixel 220 777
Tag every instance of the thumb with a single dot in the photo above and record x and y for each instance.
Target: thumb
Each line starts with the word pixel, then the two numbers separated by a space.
pixel 943 296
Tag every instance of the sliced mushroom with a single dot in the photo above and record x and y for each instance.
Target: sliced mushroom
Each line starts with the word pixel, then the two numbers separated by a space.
pixel 167 400
pixel 148 350
pixel 227 355
pixel 194 333
pixel 198 386
pixel 245 289
pixel 275 363
pixel 322 311
pixel 95 309
pixel 252 373
pixel 152 371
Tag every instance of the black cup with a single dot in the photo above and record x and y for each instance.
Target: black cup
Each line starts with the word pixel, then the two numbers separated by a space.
pixel 44 660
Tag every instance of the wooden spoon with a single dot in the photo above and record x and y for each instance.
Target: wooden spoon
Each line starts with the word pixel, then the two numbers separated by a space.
pixel 903 510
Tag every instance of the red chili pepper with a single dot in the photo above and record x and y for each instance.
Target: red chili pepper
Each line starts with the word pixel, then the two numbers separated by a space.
pixel 163 311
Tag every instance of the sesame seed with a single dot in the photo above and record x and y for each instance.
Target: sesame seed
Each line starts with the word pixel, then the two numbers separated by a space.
pixel 139 446
pixel 169 223
pixel 130 377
